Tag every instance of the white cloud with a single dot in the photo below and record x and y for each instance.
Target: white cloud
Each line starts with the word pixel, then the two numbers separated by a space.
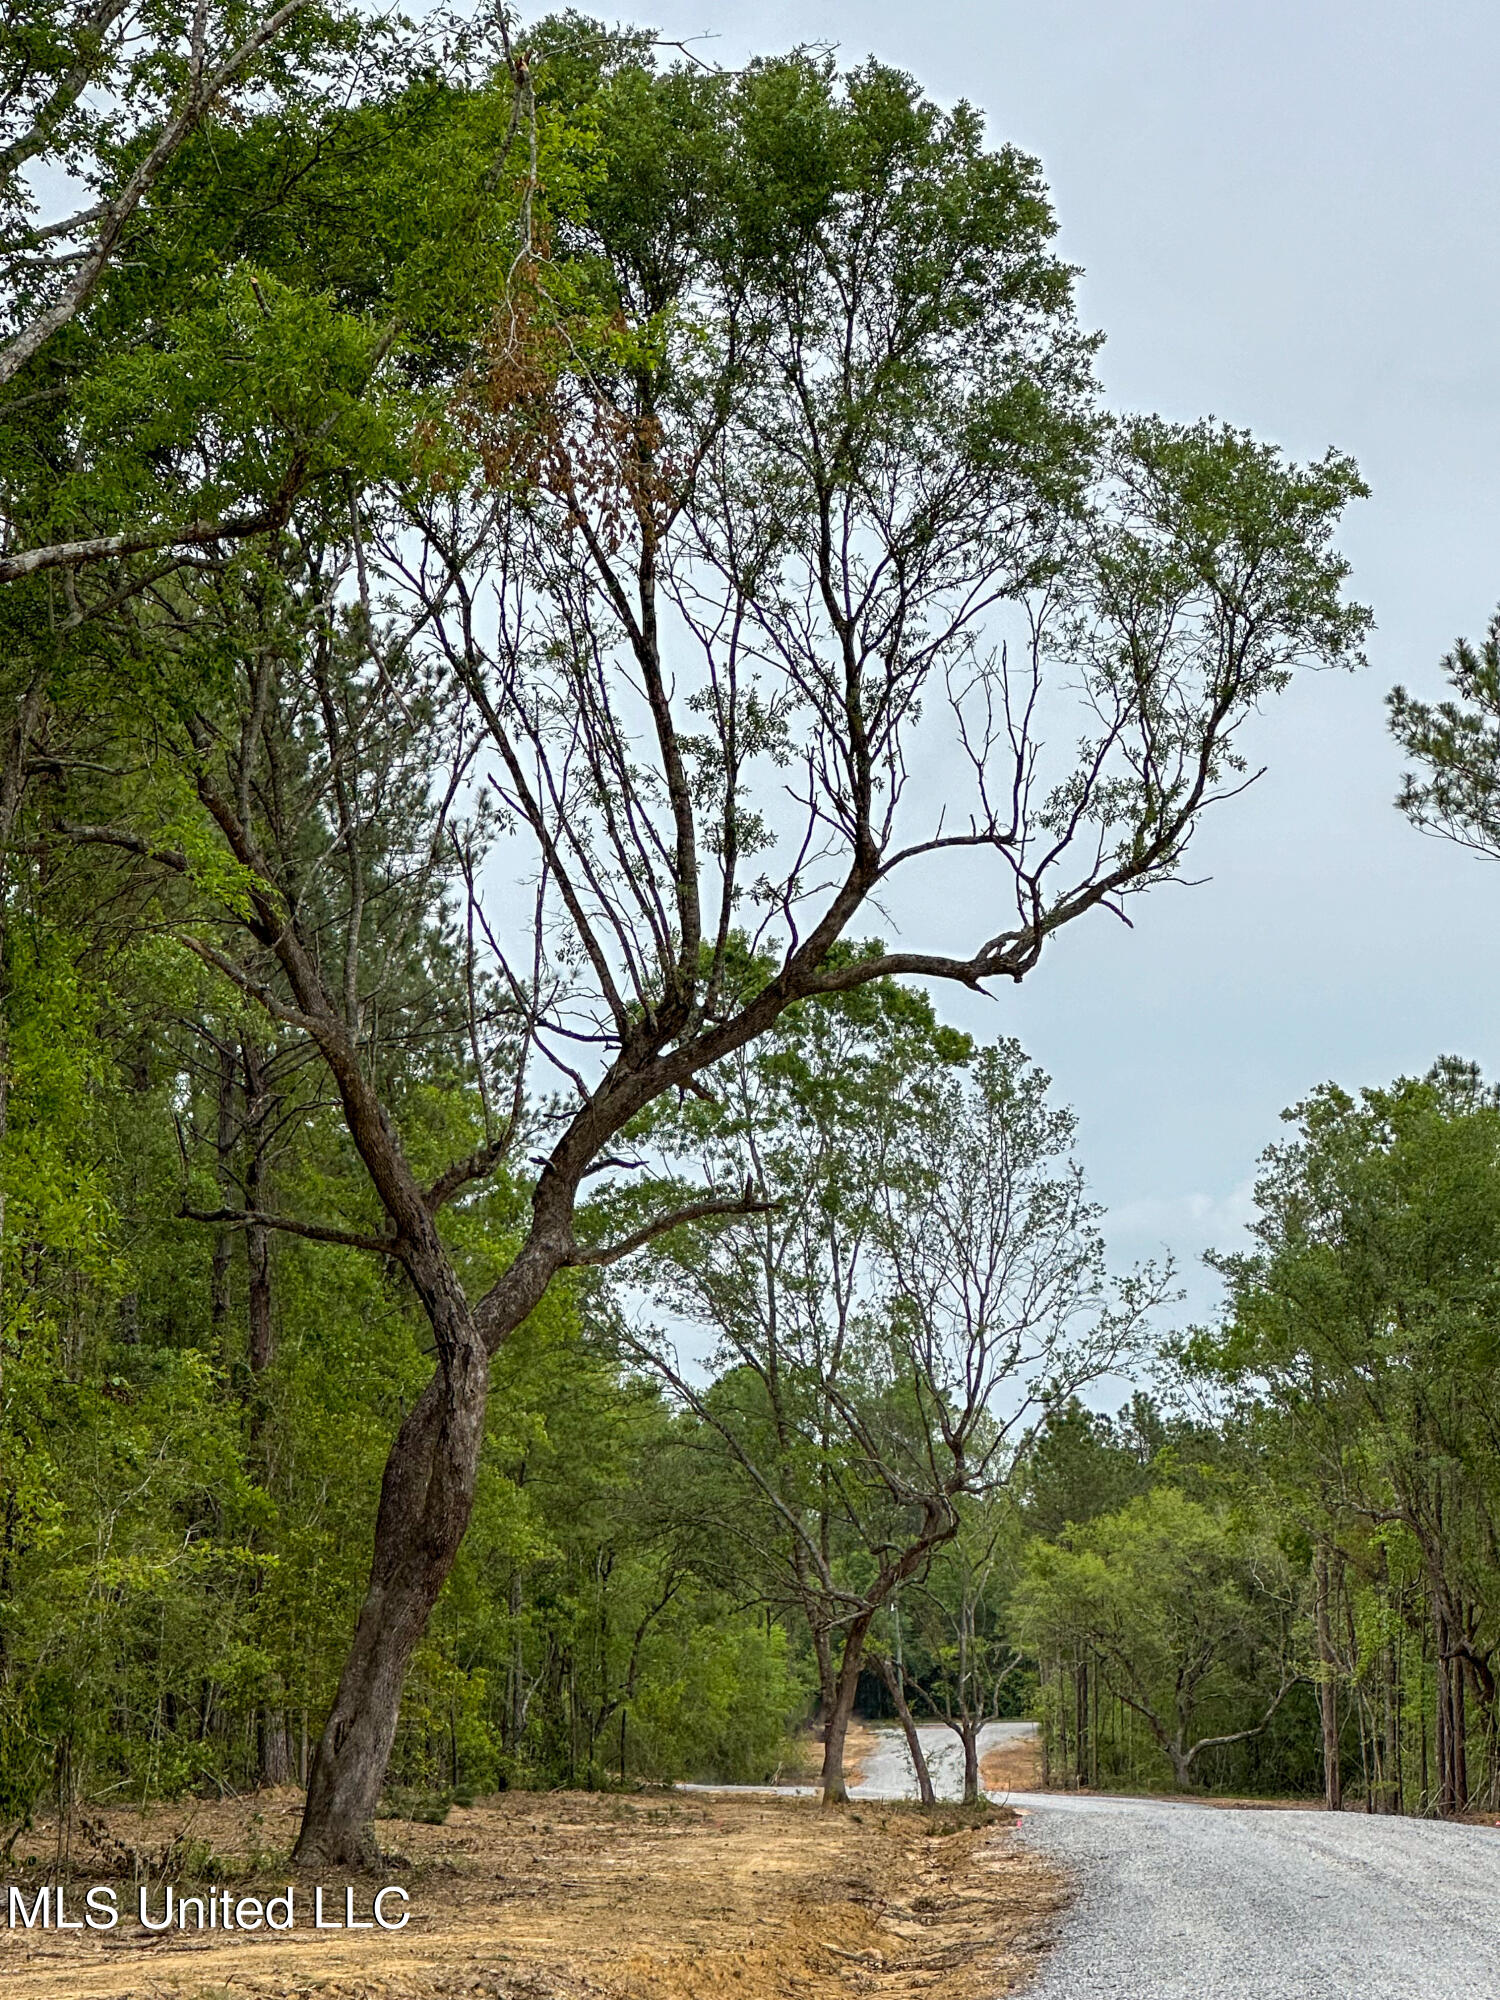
pixel 1204 1221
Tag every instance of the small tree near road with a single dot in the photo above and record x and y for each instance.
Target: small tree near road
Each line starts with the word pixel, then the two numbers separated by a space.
pixel 963 1614
pixel 925 1275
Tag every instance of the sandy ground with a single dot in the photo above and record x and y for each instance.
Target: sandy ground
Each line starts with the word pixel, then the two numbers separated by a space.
pixel 570 1896
pixel 1014 1764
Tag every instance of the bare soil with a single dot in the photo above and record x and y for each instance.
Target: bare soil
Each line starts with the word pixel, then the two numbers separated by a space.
pixel 1014 1767
pixel 572 1896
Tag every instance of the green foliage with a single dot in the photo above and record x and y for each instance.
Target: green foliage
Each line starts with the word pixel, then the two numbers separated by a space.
pixel 1185 1611
pixel 1455 790
pixel 1082 1464
pixel 375 339
pixel 726 1710
pixel 57 1203
pixel 1361 1338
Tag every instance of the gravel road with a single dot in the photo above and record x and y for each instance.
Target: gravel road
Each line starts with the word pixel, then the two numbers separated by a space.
pixel 886 1771
pixel 1188 1902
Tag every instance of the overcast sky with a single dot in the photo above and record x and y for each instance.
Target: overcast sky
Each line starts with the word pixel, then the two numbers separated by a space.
pixel 1286 214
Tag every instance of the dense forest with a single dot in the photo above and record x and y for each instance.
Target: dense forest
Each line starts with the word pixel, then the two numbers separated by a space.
pixel 509 1278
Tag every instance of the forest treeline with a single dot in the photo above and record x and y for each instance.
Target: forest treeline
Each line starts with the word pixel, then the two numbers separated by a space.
pixel 1298 1594
pixel 1285 1555
pixel 507 1275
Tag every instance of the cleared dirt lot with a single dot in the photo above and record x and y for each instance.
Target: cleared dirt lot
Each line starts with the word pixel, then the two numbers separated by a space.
pixel 565 1895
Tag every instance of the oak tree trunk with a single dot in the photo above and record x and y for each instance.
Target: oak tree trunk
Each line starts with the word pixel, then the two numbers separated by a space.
pixel 941 1525
pixel 425 1501
pixel 846 1687
pixel 827 1678
pixel 427 1493
pixel 968 1735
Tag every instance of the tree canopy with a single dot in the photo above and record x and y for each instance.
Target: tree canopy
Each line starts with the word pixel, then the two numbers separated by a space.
pixel 496 532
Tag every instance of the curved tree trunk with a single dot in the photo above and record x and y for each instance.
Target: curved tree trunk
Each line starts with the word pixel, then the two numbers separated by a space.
pixel 894 1680
pixel 827 1679
pixel 835 1791
pixel 846 1687
pixel 425 1501
pixel 941 1526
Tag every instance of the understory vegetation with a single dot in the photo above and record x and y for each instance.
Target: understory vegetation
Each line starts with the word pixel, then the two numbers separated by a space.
pixel 1293 1535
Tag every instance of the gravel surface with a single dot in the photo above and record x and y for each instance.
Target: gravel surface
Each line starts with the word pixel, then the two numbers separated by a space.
pixel 1187 1902
pixel 1183 1902
pixel 886 1772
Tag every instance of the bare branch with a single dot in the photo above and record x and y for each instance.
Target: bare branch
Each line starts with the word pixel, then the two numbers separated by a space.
pixel 122 837
pixel 697 1211
pixel 315 1232
pixel 186 534
pixel 483 1160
